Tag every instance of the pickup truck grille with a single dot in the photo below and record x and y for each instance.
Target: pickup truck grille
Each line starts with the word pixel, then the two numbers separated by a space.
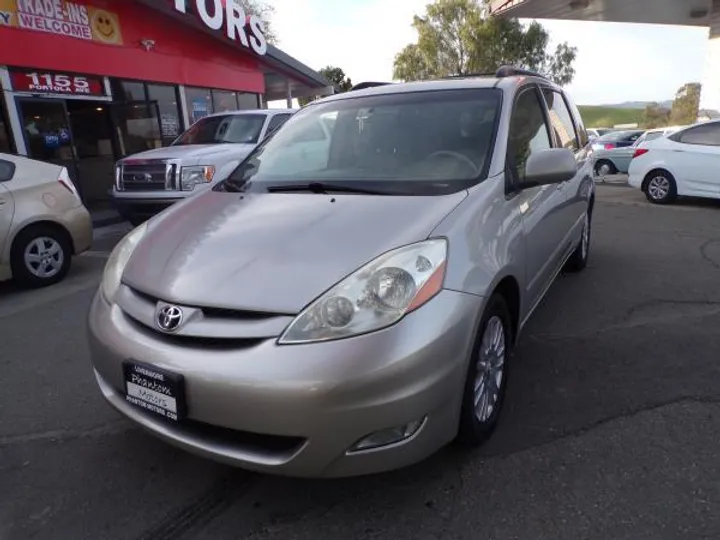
pixel 156 176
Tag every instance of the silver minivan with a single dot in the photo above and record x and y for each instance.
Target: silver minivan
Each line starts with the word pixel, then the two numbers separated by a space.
pixel 347 301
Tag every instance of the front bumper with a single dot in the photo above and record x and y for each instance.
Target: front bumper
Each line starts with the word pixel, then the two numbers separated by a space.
pixel 245 404
pixel 134 208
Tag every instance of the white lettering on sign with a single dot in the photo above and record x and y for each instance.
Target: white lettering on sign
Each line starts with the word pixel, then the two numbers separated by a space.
pixel 233 18
pixel 58 84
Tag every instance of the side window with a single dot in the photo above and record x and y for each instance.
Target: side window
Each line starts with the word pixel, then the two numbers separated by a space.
pixel 707 135
pixel 528 131
pixel 7 170
pixel 277 121
pixel 561 120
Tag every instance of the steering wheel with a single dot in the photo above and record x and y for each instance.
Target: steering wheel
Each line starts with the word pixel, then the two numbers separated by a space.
pixel 457 155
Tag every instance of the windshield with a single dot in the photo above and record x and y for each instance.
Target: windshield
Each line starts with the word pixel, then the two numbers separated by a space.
pixel 620 135
pixel 230 128
pixel 418 143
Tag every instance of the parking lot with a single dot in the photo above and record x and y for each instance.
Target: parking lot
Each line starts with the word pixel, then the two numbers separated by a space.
pixel 610 429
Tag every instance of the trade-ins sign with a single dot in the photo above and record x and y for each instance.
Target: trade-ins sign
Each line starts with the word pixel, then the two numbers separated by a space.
pixel 64 18
pixel 38 82
pixel 230 16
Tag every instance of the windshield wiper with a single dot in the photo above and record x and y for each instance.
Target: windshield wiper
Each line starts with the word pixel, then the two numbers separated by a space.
pixel 325 188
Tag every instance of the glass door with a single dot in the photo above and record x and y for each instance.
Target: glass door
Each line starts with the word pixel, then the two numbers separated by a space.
pixel 46 128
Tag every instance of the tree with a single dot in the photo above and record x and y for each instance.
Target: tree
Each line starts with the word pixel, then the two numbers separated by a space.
pixel 457 37
pixel 655 116
pixel 336 77
pixel 686 106
pixel 263 10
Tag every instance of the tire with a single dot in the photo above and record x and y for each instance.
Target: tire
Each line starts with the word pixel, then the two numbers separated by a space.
pixel 40 256
pixel 660 187
pixel 604 168
pixel 477 424
pixel 578 260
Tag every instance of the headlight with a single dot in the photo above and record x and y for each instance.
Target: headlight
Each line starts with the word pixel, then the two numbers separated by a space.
pixel 192 176
pixel 376 296
pixel 118 260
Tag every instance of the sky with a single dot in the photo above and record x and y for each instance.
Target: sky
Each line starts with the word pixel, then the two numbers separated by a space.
pixel 615 62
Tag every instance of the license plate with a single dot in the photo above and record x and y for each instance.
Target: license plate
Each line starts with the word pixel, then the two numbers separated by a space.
pixel 156 390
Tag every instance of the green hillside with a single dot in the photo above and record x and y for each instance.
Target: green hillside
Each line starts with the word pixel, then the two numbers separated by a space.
pixel 595 116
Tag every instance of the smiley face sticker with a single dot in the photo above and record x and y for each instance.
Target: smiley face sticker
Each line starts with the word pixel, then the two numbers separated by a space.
pixel 105 27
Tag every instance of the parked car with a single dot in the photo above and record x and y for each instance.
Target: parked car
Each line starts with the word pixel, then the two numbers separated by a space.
pixel 43 222
pixel 148 182
pixel 616 139
pixel 617 160
pixel 596 133
pixel 353 307
pixel 682 164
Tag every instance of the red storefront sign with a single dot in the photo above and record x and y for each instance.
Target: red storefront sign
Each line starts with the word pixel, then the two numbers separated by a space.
pixel 40 82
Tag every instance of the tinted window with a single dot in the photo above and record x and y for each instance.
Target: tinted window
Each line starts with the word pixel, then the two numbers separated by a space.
pixel 7 170
pixel 708 135
pixel 234 128
pixel 528 131
pixel 615 136
pixel 277 121
pixel 417 143
pixel 561 120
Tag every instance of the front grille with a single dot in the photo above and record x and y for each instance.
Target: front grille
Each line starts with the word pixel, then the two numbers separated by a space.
pixel 147 176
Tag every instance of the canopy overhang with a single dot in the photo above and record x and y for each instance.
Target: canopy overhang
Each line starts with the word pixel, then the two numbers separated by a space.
pixel 675 12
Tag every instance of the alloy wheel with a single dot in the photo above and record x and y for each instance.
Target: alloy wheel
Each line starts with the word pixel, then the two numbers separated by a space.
pixel 490 369
pixel 44 257
pixel 658 188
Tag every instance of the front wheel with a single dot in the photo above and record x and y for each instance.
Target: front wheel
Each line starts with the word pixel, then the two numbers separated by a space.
pixel 578 260
pixel 487 374
pixel 660 187
pixel 40 256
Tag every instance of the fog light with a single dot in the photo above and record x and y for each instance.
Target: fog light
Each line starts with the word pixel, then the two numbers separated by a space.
pixel 386 437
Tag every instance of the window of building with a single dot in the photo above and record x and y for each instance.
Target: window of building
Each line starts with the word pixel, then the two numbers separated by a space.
pixel 127 90
pixel 139 127
pixel 248 101
pixel 224 101
pixel 199 103
pixel 167 102
pixel 561 120
pixel 528 131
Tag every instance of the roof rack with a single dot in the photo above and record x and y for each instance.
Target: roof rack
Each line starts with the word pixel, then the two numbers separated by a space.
pixel 512 71
pixel 363 85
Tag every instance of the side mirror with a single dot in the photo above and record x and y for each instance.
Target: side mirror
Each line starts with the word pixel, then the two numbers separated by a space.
pixel 552 166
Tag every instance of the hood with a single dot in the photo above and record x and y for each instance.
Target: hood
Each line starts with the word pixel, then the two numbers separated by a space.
pixel 192 154
pixel 273 252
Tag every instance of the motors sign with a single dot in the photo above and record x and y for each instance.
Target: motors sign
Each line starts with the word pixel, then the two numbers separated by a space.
pixel 228 15
pixel 36 82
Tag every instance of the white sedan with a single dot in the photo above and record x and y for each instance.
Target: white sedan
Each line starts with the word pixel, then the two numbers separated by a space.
pixel 685 163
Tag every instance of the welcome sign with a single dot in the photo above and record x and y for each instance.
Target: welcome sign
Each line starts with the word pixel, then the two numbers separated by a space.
pixel 64 18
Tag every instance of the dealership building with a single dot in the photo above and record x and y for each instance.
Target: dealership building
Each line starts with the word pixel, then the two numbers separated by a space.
pixel 86 82
pixel 703 13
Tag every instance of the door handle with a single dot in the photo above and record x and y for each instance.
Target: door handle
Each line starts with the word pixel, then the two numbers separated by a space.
pixel 2 201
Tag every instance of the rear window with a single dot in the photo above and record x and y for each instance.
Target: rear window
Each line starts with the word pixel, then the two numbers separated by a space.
pixel 654 135
pixel 621 136
pixel 7 170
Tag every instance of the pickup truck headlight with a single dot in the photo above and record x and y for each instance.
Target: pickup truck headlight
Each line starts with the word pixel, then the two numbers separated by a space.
pixel 118 260
pixel 374 297
pixel 192 176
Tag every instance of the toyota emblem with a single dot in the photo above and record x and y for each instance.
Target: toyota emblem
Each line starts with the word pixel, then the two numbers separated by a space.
pixel 169 318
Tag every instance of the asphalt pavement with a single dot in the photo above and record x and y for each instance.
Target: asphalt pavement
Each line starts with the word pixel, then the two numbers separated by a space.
pixel 610 430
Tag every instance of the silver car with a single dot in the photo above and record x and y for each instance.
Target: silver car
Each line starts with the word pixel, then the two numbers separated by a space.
pixel 347 301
